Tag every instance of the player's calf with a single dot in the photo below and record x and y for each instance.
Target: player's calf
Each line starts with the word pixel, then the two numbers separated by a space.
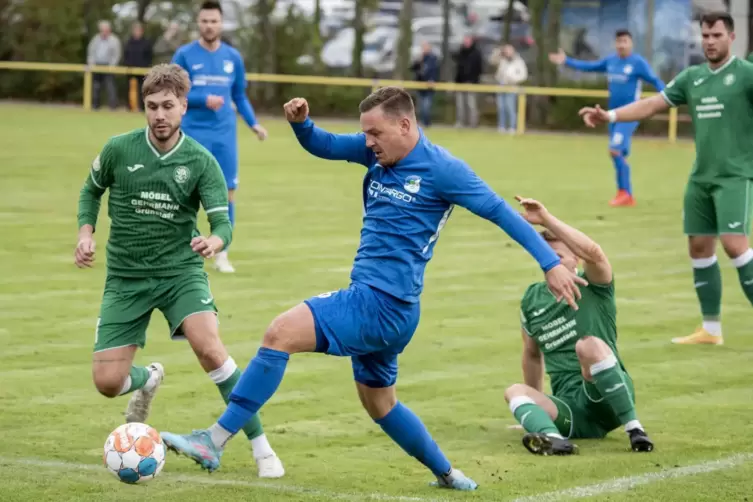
pixel 600 366
pixel 536 413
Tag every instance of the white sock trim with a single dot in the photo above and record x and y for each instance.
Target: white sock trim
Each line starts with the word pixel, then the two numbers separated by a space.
pixel 703 262
pixel 743 259
pixel 519 401
pixel 609 362
pixel 633 424
pixel 219 435
pixel 223 372
pixel 126 385
pixel 713 327
pixel 261 447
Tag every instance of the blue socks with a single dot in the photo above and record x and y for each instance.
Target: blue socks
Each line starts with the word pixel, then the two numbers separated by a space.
pixel 622 169
pixel 256 386
pixel 407 430
pixel 231 213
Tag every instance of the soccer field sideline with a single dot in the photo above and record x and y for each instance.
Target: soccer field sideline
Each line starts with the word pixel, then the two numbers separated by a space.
pixel 616 485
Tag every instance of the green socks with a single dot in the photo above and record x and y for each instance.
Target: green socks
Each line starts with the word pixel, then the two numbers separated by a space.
pixel 610 380
pixel 532 417
pixel 226 377
pixel 744 264
pixel 137 378
pixel 707 278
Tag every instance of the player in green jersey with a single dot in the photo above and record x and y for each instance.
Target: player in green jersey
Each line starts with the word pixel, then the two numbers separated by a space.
pixel 719 94
pixel 592 393
pixel 157 178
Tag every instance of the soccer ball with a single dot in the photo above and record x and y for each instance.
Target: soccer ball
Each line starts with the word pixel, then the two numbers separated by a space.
pixel 134 453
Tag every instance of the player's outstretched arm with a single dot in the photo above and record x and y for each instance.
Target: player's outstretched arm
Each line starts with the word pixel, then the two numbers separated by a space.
pixel 533 363
pixel 561 59
pixel 213 196
pixel 647 74
pixel 323 144
pixel 634 112
pixel 241 99
pixel 597 268
pixel 459 185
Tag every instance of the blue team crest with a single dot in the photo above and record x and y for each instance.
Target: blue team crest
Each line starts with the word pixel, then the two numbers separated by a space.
pixel 412 184
pixel 628 69
pixel 228 66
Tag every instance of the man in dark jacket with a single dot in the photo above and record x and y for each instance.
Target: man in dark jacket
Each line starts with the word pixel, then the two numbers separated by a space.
pixel 469 68
pixel 137 54
pixel 426 69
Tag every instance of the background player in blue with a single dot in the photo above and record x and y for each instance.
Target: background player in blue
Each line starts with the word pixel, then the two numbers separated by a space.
pixel 217 77
pixel 625 73
pixel 409 191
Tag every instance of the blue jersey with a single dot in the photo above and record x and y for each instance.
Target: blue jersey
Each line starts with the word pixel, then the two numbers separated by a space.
pixel 408 204
pixel 219 73
pixel 625 76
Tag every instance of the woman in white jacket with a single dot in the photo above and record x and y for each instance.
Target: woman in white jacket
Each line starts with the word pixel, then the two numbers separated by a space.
pixel 511 70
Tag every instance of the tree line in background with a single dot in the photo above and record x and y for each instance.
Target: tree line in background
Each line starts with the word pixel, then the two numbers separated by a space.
pixel 42 31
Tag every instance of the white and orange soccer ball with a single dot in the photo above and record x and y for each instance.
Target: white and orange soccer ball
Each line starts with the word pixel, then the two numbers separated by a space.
pixel 134 453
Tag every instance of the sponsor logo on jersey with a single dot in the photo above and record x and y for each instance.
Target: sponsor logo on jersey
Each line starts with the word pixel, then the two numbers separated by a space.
pixel 412 184
pixel 197 66
pixel 96 164
pixel 228 66
pixel 710 108
pixel 134 167
pixel 376 189
pixel 181 174
pixel 696 82
pixel 729 79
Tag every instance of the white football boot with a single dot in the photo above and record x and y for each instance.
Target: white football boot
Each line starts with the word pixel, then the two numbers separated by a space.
pixel 222 264
pixel 270 466
pixel 141 401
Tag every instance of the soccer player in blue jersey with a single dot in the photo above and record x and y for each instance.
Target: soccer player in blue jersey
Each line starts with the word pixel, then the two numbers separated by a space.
pixel 626 71
pixel 409 191
pixel 218 77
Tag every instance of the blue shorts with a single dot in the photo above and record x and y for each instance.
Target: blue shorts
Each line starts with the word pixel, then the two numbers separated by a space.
pixel 368 325
pixel 224 148
pixel 620 134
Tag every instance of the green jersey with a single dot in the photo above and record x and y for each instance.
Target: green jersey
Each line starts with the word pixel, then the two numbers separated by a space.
pixel 153 203
pixel 721 105
pixel 556 327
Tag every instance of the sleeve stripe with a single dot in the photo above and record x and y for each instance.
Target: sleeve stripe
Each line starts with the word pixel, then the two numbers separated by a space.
pixel 95 181
pixel 666 98
pixel 215 209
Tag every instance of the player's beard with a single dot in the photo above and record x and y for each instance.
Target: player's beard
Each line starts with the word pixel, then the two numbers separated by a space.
pixel 164 133
pixel 719 56
pixel 209 39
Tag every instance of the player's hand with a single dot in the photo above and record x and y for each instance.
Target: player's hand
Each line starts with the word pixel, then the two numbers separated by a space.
pixel 261 133
pixel 84 254
pixel 207 247
pixel 215 102
pixel 535 212
pixel 296 110
pixel 563 283
pixel 558 57
pixel 593 116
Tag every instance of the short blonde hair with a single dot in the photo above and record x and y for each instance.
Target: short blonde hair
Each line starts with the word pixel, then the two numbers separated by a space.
pixel 166 77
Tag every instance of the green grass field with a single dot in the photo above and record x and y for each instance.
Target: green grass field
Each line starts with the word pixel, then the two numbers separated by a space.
pixel 299 219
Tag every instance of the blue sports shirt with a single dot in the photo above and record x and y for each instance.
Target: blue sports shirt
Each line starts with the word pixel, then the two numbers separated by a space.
pixel 625 76
pixel 408 204
pixel 221 73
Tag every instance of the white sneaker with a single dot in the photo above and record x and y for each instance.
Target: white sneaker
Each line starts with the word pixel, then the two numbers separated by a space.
pixel 270 466
pixel 141 401
pixel 222 264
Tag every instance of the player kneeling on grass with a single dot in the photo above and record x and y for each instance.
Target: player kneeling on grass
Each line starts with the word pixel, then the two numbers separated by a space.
pixel 157 177
pixel 592 392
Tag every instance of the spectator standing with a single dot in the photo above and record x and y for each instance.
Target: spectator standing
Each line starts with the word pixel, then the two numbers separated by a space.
pixel 137 54
pixel 469 68
pixel 512 71
pixel 426 69
pixel 104 49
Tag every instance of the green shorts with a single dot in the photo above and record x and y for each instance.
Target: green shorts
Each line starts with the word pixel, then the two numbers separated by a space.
pixel 582 413
pixel 127 306
pixel 721 207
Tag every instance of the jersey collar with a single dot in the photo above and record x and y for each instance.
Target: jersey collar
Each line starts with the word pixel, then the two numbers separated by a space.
pixel 725 65
pixel 163 156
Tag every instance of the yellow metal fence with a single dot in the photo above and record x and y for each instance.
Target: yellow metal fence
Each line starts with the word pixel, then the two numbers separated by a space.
pixel 523 92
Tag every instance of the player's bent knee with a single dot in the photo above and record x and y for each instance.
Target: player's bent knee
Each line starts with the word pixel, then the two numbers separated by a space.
pixel 735 245
pixel 592 349
pixel 108 384
pixel 516 390
pixel 614 153
pixel 377 402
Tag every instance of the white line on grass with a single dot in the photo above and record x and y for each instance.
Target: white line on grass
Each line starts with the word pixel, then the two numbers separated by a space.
pixel 628 482
pixel 213 481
